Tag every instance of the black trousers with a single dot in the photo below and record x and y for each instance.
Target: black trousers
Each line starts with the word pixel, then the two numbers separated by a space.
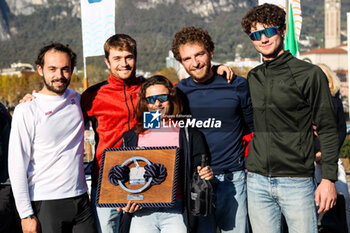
pixel 65 215
pixel 9 219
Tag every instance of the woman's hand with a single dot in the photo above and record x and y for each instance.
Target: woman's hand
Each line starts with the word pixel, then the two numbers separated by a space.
pixel 131 207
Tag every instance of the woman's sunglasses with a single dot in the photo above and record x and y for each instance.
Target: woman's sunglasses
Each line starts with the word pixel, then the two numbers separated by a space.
pixel 268 32
pixel 160 98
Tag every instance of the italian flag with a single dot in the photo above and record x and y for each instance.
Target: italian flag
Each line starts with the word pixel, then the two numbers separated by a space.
pixel 291 41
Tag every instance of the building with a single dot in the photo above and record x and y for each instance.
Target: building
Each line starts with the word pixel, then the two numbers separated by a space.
pixel 18 69
pixel 332 23
pixel 243 63
pixel 336 58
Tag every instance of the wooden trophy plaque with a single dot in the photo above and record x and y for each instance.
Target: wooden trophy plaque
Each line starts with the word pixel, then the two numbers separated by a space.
pixel 137 188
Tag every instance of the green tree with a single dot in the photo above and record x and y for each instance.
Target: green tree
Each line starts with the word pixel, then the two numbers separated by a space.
pixel 345 149
pixel 13 88
pixel 95 74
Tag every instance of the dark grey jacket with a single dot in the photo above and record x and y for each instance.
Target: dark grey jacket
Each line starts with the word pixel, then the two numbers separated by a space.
pixel 287 96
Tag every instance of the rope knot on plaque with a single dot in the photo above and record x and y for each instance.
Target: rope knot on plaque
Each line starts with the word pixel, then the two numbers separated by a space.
pixel 157 172
pixel 118 172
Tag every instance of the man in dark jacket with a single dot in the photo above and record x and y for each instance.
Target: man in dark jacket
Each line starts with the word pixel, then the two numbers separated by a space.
pixel 10 221
pixel 288 95
pixel 212 99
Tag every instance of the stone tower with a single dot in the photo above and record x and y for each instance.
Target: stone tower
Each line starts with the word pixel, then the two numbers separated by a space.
pixel 332 23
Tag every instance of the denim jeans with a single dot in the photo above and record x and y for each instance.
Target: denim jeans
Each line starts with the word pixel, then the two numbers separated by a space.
pixel 107 219
pixel 229 211
pixel 156 220
pixel 268 197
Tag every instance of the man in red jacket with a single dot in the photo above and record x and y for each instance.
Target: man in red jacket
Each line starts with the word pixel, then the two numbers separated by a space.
pixel 110 106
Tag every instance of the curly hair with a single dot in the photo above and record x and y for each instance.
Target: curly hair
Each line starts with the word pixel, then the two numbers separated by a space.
pixel 120 42
pixel 192 35
pixel 176 106
pixel 56 47
pixel 266 14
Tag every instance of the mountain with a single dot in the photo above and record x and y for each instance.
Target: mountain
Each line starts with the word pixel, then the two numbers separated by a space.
pixel 27 25
pixel 24 7
pixel 4 29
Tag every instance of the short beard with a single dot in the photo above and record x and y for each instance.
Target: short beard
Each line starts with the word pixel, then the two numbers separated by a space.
pixel 60 90
pixel 201 79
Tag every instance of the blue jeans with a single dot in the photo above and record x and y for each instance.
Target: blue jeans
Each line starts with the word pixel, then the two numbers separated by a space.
pixel 107 219
pixel 156 220
pixel 268 197
pixel 229 211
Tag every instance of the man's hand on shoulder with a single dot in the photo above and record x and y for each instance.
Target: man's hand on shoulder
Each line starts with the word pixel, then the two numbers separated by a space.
pixel 30 225
pixel 230 74
pixel 28 97
pixel 325 195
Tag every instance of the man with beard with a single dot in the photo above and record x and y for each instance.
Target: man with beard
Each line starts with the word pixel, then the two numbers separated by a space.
pixel 210 97
pixel 46 151
pixel 288 95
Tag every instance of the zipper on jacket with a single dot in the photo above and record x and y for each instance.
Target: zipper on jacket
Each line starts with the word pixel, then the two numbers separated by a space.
pixel 267 109
pixel 133 107
pixel 126 102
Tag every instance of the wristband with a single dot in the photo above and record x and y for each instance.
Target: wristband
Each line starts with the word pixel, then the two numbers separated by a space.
pixel 29 216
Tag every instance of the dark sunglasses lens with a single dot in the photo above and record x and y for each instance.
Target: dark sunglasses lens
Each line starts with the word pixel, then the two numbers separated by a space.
pixel 270 32
pixel 151 99
pixel 162 98
pixel 255 35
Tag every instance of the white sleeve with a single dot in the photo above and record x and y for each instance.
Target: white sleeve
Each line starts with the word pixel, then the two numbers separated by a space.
pixel 19 157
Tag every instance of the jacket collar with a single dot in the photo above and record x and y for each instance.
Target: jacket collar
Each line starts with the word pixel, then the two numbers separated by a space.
pixel 281 59
pixel 118 82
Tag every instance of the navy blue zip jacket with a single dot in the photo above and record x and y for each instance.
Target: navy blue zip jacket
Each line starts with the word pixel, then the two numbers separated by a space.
pixel 227 109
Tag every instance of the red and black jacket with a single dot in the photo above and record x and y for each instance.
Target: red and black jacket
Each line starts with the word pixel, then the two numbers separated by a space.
pixel 110 105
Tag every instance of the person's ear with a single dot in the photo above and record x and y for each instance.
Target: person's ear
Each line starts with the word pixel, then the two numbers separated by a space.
pixel 107 63
pixel 40 70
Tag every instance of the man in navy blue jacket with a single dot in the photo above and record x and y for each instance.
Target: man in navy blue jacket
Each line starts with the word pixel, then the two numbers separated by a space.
pixel 226 108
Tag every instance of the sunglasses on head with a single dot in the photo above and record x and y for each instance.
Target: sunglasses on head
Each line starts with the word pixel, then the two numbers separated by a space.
pixel 161 98
pixel 268 32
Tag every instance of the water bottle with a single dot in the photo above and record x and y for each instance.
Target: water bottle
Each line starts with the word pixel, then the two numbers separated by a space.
pixel 89 144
